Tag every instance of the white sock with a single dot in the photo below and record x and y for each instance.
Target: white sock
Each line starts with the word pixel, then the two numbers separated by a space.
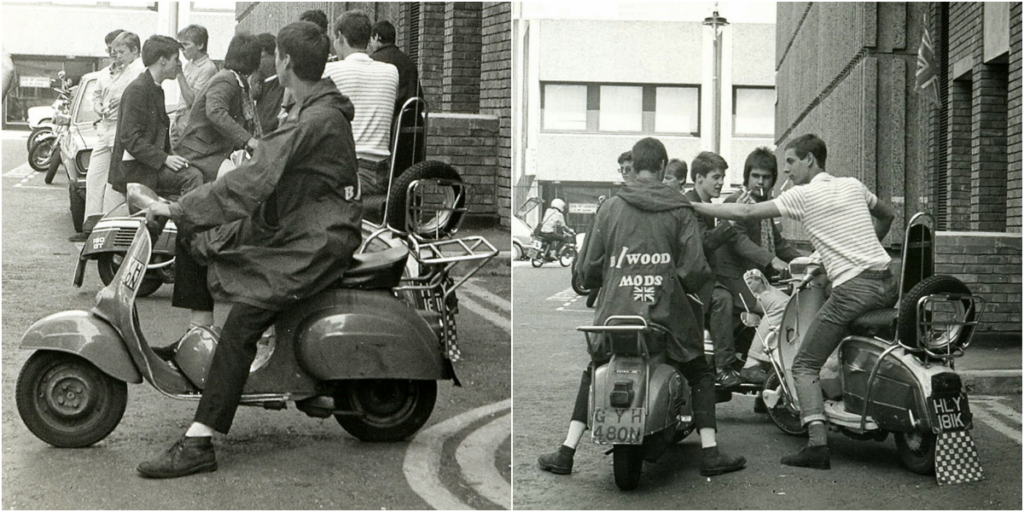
pixel 200 318
pixel 707 438
pixel 199 430
pixel 576 430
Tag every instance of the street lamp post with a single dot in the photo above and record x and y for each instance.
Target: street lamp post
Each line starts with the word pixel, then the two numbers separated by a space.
pixel 716 23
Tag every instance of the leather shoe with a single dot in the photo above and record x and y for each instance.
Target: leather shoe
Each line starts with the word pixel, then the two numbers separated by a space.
pixel 78 237
pixel 815 457
pixel 716 462
pixel 728 378
pixel 559 462
pixel 186 456
pixel 754 375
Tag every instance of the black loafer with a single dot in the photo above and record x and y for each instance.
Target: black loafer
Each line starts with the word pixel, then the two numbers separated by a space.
pixel 716 462
pixel 187 456
pixel 815 457
pixel 559 462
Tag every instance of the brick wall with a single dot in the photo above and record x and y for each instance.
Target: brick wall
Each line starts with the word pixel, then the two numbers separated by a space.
pixel 496 92
pixel 989 264
pixel 988 149
pixel 959 156
pixel 460 85
pixel 467 142
pixel 431 50
pixel 1013 128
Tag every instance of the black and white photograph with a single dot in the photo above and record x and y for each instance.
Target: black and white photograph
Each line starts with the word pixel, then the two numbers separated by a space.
pixel 256 255
pixel 768 255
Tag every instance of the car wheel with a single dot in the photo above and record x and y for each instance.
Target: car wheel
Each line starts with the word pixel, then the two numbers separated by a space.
pixel 108 263
pixel 77 207
pixel 517 251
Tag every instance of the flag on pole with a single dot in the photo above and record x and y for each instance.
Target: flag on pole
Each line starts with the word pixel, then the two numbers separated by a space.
pixel 927 68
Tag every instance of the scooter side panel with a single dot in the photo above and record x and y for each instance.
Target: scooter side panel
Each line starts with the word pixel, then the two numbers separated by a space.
pixel 900 387
pixel 360 334
pixel 83 334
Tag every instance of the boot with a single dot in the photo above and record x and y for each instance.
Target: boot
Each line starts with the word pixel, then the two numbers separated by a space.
pixel 815 457
pixel 559 462
pixel 186 456
pixel 716 462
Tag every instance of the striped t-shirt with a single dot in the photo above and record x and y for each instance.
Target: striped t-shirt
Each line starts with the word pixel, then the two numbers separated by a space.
pixel 835 214
pixel 372 87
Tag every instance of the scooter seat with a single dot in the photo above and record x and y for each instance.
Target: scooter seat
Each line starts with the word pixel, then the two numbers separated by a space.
pixel 375 270
pixel 879 323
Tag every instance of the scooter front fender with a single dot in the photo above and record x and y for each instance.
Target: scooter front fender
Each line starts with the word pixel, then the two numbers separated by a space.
pixel 87 336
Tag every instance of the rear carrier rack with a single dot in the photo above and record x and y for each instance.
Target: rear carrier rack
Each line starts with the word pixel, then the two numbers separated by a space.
pixel 435 205
pixel 942 319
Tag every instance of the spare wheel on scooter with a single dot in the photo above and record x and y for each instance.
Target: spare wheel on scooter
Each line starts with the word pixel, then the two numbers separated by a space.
pixel 956 333
pixel 437 208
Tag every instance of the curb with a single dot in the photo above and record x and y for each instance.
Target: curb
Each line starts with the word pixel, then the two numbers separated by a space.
pixel 501 265
pixel 991 382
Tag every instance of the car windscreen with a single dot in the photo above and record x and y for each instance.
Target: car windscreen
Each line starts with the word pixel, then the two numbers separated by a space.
pixel 86 112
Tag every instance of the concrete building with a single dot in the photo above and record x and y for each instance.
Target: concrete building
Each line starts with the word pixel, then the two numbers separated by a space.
pixel 594 79
pixel 44 38
pixel 846 71
pixel 463 53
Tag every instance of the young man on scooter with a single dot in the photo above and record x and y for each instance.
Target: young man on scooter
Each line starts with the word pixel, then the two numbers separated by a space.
pixel 553 227
pixel 649 218
pixel 845 223
pixel 284 227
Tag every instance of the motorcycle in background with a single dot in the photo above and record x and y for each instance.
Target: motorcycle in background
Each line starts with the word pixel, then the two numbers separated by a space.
pixel 44 150
pixel 566 253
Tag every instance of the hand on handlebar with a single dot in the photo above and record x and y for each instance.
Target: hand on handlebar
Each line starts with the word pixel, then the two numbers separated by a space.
pixel 158 210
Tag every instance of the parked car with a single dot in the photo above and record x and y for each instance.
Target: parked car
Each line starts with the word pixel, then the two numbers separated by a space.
pixel 38 116
pixel 76 145
pixel 521 233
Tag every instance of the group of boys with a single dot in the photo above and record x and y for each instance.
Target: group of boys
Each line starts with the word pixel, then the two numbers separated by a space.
pixel 704 276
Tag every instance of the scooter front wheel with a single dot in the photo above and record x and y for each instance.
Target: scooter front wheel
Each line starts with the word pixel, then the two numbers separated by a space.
pixel 783 415
pixel 917 451
pixel 385 410
pixel 628 462
pixel 66 401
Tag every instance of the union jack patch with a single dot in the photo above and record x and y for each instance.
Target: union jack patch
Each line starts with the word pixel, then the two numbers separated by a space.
pixel 643 294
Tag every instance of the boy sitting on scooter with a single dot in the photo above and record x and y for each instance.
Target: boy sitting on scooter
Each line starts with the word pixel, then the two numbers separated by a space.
pixel 645 252
pixel 284 226
pixel 845 222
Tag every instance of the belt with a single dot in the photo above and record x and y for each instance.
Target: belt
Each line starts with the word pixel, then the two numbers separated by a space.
pixel 876 274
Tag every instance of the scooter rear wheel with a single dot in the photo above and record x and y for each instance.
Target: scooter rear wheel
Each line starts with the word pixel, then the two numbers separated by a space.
pixel 628 462
pixel 566 256
pixel 782 414
pixel 917 451
pixel 385 410
pixel 66 401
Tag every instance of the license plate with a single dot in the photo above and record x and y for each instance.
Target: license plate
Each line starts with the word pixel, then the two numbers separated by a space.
pixel 952 413
pixel 536 244
pixel 618 426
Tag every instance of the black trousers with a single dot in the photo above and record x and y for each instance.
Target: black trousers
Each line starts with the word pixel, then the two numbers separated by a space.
pixel 229 370
pixel 698 373
pixel 190 285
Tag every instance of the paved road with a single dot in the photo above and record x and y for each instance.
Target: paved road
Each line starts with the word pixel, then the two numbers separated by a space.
pixel 272 459
pixel 549 356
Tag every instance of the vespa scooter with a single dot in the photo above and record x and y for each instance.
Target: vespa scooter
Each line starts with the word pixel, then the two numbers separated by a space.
pixel 895 372
pixel 367 351
pixel 639 403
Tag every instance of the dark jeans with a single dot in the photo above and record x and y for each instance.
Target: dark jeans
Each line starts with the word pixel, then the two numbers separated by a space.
pixel 373 177
pixel 190 285
pixel 872 289
pixel 229 370
pixel 698 374
pixel 167 183
pixel 721 324
pixel 553 241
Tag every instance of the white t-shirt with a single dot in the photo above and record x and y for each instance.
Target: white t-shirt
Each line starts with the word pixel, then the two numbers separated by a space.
pixel 372 87
pixel 835 213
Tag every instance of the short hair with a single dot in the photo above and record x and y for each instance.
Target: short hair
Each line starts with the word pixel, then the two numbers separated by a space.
pixel 677 168
pixel 197 35
pixel 109 39
pixel 307 46
pixel 649 154
pixel 384 31
pixel 243 54
pixel 268 43
pixel 705 162
pixel 626 157
pixel 315 16
pixel 354 26
pixel 809 143
pixel 130 40
pixel 761 158
pixel 159 46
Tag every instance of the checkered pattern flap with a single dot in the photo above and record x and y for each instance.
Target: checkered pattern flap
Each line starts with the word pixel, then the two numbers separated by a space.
pixel 956 459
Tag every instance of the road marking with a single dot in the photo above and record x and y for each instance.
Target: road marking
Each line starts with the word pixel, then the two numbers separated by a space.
pixel 998 408
pixel 423 457
pixel 475 456
pixel 497 319
pixel 497 301
pixel 983 415
pixel 564 295
pixel 20 171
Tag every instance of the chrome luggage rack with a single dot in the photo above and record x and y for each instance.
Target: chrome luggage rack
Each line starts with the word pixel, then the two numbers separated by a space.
pixel 937 323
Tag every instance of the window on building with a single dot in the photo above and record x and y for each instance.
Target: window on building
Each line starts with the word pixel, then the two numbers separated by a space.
pixel 753 111
pixel 564 107
pixel 130 4
pixel 621 108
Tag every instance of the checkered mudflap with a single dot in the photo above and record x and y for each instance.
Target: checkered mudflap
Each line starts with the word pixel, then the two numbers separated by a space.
pixel 956 459
pixel 451 340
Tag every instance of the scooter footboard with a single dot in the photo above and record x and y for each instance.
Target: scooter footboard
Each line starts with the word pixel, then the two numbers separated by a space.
pixel 360 334
pixel 87 336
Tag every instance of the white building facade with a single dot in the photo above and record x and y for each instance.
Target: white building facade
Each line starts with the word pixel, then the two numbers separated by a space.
pixel 592 79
